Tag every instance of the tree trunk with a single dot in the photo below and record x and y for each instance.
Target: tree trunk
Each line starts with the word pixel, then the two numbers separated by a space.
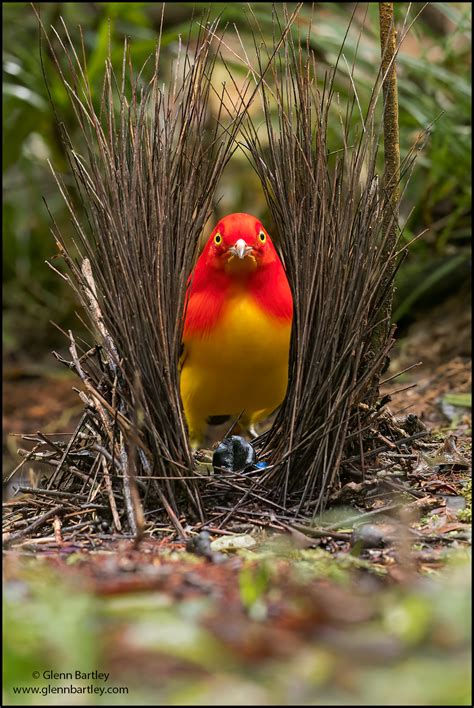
pixel 391 177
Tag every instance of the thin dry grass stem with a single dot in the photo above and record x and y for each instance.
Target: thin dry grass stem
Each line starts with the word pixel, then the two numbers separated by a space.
pixel 336 228
pixel 145 177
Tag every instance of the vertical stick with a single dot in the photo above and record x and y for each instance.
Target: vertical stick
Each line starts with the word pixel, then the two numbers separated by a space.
pixel 391 139
pixel 391 136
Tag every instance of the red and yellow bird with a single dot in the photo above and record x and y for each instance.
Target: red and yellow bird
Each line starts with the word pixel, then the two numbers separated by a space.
pixel 237 326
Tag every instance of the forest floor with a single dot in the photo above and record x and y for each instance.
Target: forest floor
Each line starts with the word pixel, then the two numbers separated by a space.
pixel 371 609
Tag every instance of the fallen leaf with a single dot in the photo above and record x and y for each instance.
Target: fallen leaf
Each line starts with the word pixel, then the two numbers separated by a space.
pixel 233 543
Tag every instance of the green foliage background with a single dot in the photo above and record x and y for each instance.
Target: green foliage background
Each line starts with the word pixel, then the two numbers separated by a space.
pixel 435 94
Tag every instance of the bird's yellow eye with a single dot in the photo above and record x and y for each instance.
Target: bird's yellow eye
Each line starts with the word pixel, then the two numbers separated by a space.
pixel 218 239
pixel 262 236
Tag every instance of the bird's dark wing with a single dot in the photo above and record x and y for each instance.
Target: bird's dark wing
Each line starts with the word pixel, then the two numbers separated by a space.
pixel 182 356
pixel 218 419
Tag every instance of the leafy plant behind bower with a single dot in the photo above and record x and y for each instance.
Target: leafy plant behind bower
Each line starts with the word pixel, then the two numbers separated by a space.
pixel 434 85
pixel 137 250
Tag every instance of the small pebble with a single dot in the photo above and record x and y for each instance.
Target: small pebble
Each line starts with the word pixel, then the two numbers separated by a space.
pixel 200 545
pixel 369 536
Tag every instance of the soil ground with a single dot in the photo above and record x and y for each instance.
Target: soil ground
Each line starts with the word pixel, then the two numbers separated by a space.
pixel 369 607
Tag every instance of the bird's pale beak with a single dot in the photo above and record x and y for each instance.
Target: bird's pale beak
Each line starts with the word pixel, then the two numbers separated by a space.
pixel 240 249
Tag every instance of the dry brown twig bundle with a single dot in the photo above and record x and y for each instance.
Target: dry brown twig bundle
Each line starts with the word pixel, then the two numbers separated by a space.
pixel 145 180
pixel 336 233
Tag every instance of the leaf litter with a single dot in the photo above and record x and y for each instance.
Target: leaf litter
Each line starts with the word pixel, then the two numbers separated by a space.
pixel 368 600
pixel 374 592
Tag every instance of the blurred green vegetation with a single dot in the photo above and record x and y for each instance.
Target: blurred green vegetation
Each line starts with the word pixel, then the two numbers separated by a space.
pixel 435 95
pixel 412 649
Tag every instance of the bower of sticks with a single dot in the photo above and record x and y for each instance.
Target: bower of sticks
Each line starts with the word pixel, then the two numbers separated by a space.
pixel 145 179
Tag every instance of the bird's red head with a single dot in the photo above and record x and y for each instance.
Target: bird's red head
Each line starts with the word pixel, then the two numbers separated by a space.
pixel 239 256
pixel 239 244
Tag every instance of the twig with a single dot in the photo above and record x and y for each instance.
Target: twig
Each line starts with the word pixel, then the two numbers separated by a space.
pixel 18 535
pixel 110 494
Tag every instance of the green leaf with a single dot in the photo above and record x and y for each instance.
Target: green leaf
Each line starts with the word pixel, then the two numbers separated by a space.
pixel 253 583
pixel 461 400
pixel 99 55
pixel 437 275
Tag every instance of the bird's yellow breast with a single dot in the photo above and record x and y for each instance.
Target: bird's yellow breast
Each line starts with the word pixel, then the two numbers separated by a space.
pixel 240 365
